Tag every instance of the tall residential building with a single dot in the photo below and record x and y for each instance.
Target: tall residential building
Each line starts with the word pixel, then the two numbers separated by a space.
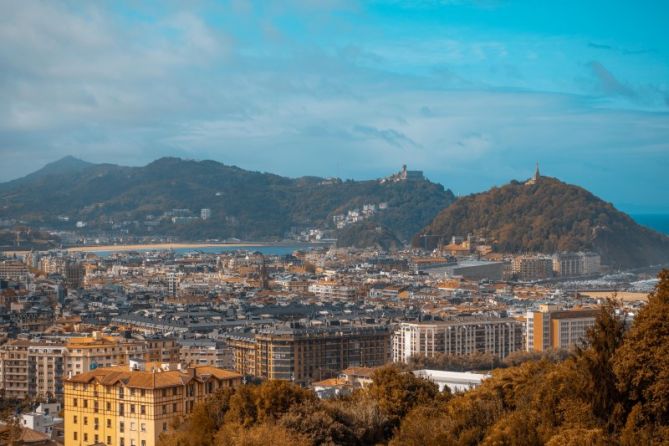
pixel 528 267
pixel 566 264
pixel 205 213
pixel 457 337
pixel 553 329
pixel 133 405
pixel 309 353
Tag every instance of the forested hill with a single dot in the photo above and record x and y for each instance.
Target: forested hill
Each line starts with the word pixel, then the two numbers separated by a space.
pixel 548 217
pixel 244 204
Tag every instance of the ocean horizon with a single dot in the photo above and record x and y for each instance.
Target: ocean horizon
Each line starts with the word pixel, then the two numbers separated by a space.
pixel 658 222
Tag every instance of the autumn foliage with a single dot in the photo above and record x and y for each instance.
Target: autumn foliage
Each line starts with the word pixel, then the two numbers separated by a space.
pixel 615 391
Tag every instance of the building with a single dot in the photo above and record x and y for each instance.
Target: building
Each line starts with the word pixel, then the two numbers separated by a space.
pixel 132 405
pixel 14 270
pixel 568 264
pixel 528 267
pixel 74 274
pixel 44 419
pixel 455 381
pixel 88 353
pixel 29 369
pixel 553 329
pixel 304 354
pixel 457 337
pixel 205 213
pixel 332 290
pixel 205 352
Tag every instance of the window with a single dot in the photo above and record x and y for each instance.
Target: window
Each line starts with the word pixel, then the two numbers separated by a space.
pixel 142 392
pixel 132 425
pixel 164 409
pixel 95 422
pixel 120 409
pixel 95 406
pixel 74 419
pixel 132 408
pixel 74 402
pixel 164 427
pixel 121 428
pixel 174 407
pixel 142 427
pixel 85 404
pixel 164 392
pixel 85 436
pixel 121 441
pixel 96 438
pixel 142 409
pixel 85 421
pixel 143 442
pixel 132 442
pixel 132 392
pixel 174 391
pixel 108 422
pixel 108 406
pixel 74 435
pixel 108 439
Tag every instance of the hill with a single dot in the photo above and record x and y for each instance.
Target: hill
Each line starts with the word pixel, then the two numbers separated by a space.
pixel 550 216
pixel 244 204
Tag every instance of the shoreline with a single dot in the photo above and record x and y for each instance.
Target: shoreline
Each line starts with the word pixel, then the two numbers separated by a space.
pixel 169 246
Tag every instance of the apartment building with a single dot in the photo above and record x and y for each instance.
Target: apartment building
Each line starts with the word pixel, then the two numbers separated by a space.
pixel 333 290
pixel 532 267
pixel 206 352
pixel 89 353
pixel 567 264
pixel 457 337
pixel 553 329
pixel 133 405
pixel 304 354
pixel 38 368
pixel 13 269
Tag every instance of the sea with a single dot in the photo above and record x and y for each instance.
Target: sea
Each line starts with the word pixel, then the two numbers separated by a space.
pixel 658 222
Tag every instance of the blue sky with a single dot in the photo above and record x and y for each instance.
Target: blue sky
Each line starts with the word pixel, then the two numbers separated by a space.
pixel 471 92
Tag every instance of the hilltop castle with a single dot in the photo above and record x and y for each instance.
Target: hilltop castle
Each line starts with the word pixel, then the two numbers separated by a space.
pixel 404 175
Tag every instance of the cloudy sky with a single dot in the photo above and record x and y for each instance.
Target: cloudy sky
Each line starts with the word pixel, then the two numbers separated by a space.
pixel 471 92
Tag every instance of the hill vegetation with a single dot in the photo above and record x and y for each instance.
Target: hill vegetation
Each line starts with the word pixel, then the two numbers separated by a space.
pixel 548 217
pixel 244 204
pixel 615 391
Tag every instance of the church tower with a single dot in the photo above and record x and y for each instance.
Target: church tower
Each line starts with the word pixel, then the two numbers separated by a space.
pixel 535 177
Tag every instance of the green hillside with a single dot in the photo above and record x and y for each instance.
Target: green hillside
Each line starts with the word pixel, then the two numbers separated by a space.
pixel 548 217
pixel 244 204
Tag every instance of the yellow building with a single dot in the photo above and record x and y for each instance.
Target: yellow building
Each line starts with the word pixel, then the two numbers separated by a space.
pixel 553 329
pixel 132 405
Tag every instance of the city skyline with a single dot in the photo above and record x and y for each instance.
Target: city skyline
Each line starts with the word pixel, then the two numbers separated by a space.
pixel 472 93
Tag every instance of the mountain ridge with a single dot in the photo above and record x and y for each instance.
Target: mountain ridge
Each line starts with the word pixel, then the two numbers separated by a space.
pixel 244 204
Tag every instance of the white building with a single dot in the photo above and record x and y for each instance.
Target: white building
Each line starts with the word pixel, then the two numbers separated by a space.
pixel 43 419
pixel 456 381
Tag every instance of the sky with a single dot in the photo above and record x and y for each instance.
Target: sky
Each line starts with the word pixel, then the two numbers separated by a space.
pixel 473 93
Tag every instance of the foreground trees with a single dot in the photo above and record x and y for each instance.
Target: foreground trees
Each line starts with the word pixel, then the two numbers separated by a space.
pixel 615 391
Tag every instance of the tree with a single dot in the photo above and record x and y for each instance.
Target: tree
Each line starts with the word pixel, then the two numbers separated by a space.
pixel 641 365
pixel 398 392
